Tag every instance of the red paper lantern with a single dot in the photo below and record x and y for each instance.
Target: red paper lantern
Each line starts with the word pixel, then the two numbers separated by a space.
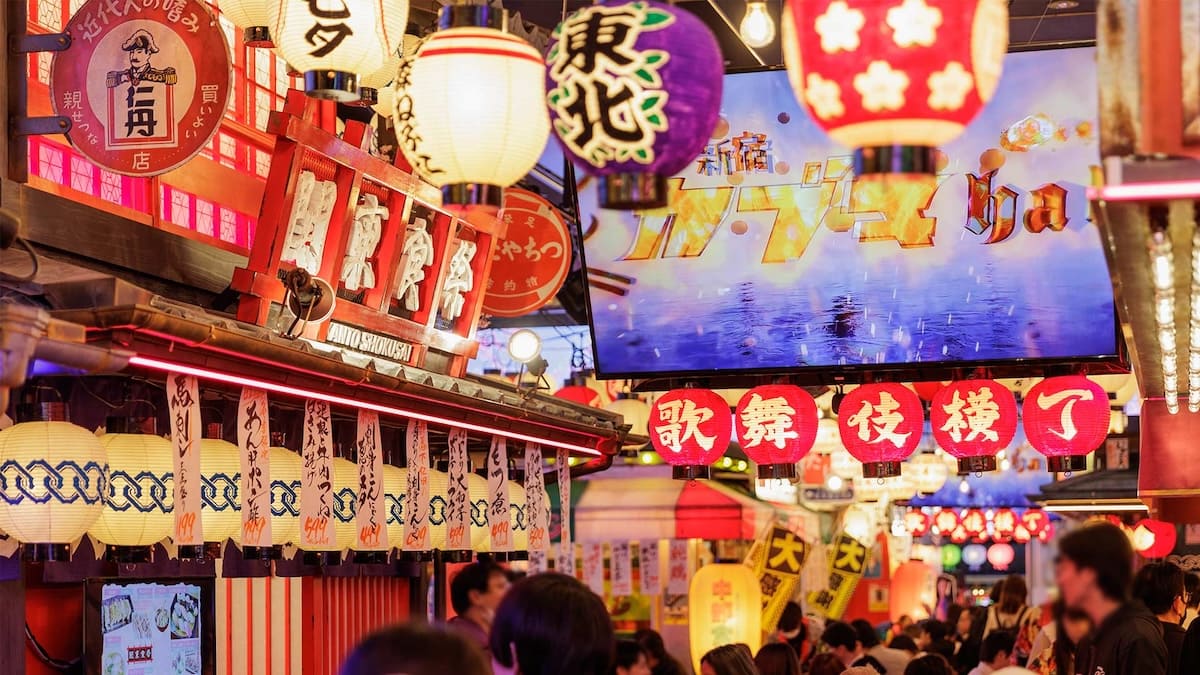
pixel 973 420
pixel 945 521
pixel 1066 418
pixel 690 429
pixel 1001 556
pixel 959 536
pixel 1046 534
pixel 881 425
pixel 974 522
pixel 1022 535
pixel 776 427
pixel 894 78
pixel 1004 524
pixel 927 390
pixel 1035 520
pixel 1160 537
pixel 916 522
pixel 579 394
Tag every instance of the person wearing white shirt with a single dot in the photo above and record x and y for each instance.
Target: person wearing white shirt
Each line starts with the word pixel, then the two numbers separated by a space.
pixel 996 653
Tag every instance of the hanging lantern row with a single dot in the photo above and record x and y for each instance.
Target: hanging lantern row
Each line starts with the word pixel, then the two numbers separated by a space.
pixel 1001 525
pixel 1150 537
pixel 999 556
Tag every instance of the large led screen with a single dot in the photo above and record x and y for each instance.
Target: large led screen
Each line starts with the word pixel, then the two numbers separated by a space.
pixel 770 256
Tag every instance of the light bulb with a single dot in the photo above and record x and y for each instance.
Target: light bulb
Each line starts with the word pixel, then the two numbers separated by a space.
pixel 524 345
pixel 963 487
pixel 835 483
pixel 758 28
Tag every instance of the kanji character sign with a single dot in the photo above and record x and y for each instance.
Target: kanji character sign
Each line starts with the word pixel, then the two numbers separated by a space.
pixel 881 424
pixel 690 427
pixel 786 552
pixel 1065 419
pixel 777 426
pixel 531 263
pixel 849 555
pixel 974 419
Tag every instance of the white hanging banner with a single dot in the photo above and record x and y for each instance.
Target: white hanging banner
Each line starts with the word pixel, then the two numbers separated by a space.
pixel 566 547
pixel 370 513
pixel 458 510
pixel 183 399
pixel 499 511
pixel 677 567
pixel 316 481
pixel 648 570
pixel 416 520
pixel 538 562
pixel 593 567
pixel 254 441
pixel 535 499
pixel 622 569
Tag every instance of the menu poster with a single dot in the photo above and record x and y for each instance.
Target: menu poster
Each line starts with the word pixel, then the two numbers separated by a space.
pixel 151 628
pixel 253 434
pixel 316 479
pixel 535 498
pixel 566 547
pixel 677 567
pixel 369 513
pixel 499 515
pixel 416 523
pixel 458 510
pixel 593 567
pixel 183 400
pixel 648 571
pixel 622 569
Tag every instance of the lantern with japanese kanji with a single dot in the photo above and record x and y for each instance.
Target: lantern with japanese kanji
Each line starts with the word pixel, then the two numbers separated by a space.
pixel 881 425
pixel 945 521
pixel 893 79
pixel 959 535
pixel 928 473
pixel 1066 418
pixel 1022 535
pixel 1154 538
pixel 776 427
pixel 974 522
pixel 973 420
pixel 253 18
pixel 1035 520
pixel 916 522
pixel 690 429
pixel 634 94
pixel 1046 534
pixel 1004 525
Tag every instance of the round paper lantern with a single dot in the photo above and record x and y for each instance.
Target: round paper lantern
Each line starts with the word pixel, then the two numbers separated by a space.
pixel 373 86
pixel 253 18
pixel 634 95
pixel 1021 535
pixel 974 522
pixel 345 503
pixel 860 522
pixel 974 555
pixel 776 427
pixel 220 489
pixel 1066 418
pixel 1004 524
pixel 690 429
pixel 916 522
pixel 927 390
pixel 900 488
pixel 1035 520
pixel 1154 538
pixel 951 556
pixel 959 535
pixel 843 464
pixel 54 475
pixel 868 489
pixel 928 473
pixel 138 495
pixel 1046 534
pixel 333 44
pixel 881 425
pixel 286 469
pixel 633 411
pixel 724 605
pixel 1000 556
pixel 945 521
pixel 894 79
pixel 973 420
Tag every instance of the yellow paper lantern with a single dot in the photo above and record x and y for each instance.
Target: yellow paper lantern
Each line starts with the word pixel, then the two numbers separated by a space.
pixel 481 533
pixel 52 476
pixel 518 521
pixel 345 503
pixel 374 88
pixel 253 18
pixel 220 489
pixel 724 607
pixel 139 493
pixel 334 44
pixel 285 498
pixel 395 482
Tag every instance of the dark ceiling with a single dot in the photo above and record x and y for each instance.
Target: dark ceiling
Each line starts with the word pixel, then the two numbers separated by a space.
pixel 1033 24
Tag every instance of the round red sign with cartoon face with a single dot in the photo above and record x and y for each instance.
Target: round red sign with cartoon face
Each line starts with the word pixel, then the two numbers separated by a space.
pixel 531 262
pixel 144 84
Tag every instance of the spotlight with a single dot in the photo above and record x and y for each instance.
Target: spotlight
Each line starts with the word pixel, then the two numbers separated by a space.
pixel 524 346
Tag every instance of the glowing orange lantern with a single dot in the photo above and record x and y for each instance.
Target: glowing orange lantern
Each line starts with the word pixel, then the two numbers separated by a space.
pixel 1004 525
pixel 945 521
pixel 776 427
pixel 724 606
pixel 973 420
pixel 1035 520
pixel 894 78
pixel 913 589
pixel 1066 418
pixel 916 522
pixel 1046 534
pixel 881 425
pixel 580 394
pixel 974 522
pixel 1001 556
pixel 1154 538
pixel 690 429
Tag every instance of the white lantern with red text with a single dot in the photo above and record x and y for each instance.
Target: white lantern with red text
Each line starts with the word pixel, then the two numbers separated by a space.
pixel 1066 418
pixel 776 427
pixel 690 429
pixel 973 420
pixel 881 425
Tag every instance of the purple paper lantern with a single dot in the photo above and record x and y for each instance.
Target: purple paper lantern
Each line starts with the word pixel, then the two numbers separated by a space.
pixel 634 95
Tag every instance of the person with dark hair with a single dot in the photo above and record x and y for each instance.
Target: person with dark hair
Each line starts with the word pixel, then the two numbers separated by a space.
pixel 933 639
pixel 1094 570
pixel 415 649
pixel 777 658
pixel 1013 614
pixel 905 644
pixel 1189 654
pixel 929 664
pixel 1191 591
pixel 825 664
pixel 1160 587
pixel 893 659
pixel 842 641
pixel 792 630
pixel 727 660
pixel 969 638
pixel 551 624
pixel 996 652
pixel 1054 648
pixel 661 663
pixel 630 659
pixel 475 592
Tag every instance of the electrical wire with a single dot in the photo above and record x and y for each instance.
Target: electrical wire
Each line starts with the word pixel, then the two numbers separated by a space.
pixel 33 259
pixel 73 666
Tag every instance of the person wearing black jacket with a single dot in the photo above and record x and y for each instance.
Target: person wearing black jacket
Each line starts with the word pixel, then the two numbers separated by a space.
pixel 1094 571
pixel 1160 587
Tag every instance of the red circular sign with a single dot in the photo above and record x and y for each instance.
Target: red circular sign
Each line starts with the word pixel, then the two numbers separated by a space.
pixel 881 424
pixel 776 423
pixel 1066 417
pixel 973 418
pixel 145 85
pixel 531 262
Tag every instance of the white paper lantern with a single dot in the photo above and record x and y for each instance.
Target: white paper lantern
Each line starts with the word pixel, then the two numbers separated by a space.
pixel 868 489
pixel 138 495
pixel 518 520
pixel 481 533
pixel 220 491
pixel 844 465
pixel 471 118
pixel 374 88
pixel 861 523
pixel 634 412
pixel 899 488
pixel 253 18
pixel 928 472
pixel 335 43
pixel 52 473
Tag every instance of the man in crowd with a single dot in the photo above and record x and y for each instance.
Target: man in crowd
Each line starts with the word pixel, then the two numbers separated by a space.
pixel 475 593
pixel 842 641
pixel 1094 571
pixel 995 653
pixel 933 639
pixel 895 660
pixel 1160 587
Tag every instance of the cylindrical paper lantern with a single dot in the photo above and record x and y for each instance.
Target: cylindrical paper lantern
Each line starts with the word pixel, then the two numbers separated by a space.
pixel 928 472
pixel 286 469
pixel 776 427
pixel 439 491
pixel 220 489
pixel 253 18
pixel 395 486
pixel 138 495
pixel 974 555
pixel 634 94
pixel 881 425
pixel 1066 418
pixel 481 533
pixel 1000 556
pixel 345 503
pixel 690 429
pixel 973 420
pixel 894 80
pixel 372 84
pixel 724 606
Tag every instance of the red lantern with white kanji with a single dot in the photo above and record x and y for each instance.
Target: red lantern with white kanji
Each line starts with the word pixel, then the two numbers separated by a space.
pixel 1066 418
pixel 776 427
pixel 959 535
pixel 894 79
pixel 973 420
pixel 1046 534
pixel 974 522
pixel 916 522
pixel 1022 535
pixel 1035 520
pixel 690 429
pixel 1004 524
pixel 945 521
pixel 881 425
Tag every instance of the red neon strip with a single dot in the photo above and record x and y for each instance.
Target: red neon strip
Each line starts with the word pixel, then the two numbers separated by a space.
pixel 298 392
pixel 453 51
pixel 1186 189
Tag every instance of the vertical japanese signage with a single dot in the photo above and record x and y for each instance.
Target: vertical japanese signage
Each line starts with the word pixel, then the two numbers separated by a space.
pixel 183 399
pixel 253 435
pixel 566 547
pixel 370 515
pixel 316 481
pixel 777 559
pixel 677 567
pixel 535 498
pixel 622 569
pixel 145 84
pixel 499 512
pixel 458 510
pixel 847 562
pixel 593 567
pixel 416 522
pixel 650 581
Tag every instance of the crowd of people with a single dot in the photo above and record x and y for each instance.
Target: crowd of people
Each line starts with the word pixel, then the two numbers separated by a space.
pixel 1106 621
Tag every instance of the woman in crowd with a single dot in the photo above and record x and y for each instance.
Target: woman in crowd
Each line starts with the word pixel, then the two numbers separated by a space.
pixel 1013 614
pixel 968 638
pixel 777 658
pixel 551 624
pixel 661 663
pixel 415 649
pixel 630 659
pixel 1053 651
pixel 727 660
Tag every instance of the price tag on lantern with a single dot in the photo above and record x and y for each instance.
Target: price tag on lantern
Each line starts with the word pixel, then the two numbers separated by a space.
pixel 458 517
pixel 499 513
pixel 416 521
pixel 183 399
pixel 566 547
pixel 370 513
pixel 535 498
pixel 316 481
